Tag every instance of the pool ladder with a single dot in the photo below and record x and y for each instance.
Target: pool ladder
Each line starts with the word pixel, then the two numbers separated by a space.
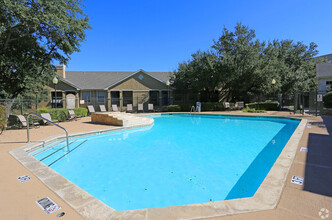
pixel 193 109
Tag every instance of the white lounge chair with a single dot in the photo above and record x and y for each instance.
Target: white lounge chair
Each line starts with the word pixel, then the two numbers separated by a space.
pixel 239 105
pixel 129 107
pixel 48 117
pixel 91 109
pixel 72 115
pixel 150 107
pixel 226 105
pixel 102 108
pixel 24 123
pixel 115 108
pixel 140 108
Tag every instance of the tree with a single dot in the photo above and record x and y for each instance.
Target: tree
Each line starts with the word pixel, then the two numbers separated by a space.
pixel 240 56
pixel 33 35
pixel 198 75
pixel 244 67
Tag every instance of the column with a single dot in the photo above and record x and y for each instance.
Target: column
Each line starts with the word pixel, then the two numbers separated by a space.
pixel 63 96
pixel 121 100
pixel 77 100
pixel 108 100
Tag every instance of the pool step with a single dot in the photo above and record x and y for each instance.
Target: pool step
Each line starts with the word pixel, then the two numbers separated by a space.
pixel 66 153
pixel 120 119
pixel 57 150
pixel 43 149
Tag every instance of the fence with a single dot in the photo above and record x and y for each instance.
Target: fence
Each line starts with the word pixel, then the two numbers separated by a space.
pixel 298 102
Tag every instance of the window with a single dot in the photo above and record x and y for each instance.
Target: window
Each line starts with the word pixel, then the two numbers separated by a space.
pixel 86 96
pixel 115 98
pixel 165 98
pixel 328 86
pixel 127 97
pixel 101 97
pixel 154 96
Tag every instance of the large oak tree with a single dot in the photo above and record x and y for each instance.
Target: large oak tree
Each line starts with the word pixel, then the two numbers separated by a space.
pixel 34 34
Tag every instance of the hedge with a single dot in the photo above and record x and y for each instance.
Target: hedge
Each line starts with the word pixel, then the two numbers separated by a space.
pixel 212 106
pixel 268 105
pixel 327 99
pixel 60 114
pixel 173 108
pixel 3 120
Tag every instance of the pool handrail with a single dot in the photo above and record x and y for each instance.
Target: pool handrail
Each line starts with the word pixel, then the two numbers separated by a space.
pixel 35 114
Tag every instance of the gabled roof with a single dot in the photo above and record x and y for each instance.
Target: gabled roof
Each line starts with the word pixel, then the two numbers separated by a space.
pixel 103 80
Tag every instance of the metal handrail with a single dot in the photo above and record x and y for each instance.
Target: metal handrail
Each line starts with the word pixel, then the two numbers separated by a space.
pixel 192 108
pixel 35 114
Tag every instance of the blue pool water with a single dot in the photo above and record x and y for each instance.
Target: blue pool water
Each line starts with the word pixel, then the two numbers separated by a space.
pixel 181 159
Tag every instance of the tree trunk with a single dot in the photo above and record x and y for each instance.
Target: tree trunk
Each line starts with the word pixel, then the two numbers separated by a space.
pixel 9 103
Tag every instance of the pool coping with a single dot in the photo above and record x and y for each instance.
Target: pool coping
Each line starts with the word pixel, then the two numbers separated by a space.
pixel 266 197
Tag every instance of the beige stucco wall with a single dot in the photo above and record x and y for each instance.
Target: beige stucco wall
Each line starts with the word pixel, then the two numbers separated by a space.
pixel 134 83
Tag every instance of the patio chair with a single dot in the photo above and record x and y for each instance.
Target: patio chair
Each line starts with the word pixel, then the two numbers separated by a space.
pixel 72 115
pixel 48 117
pixel 91 109
pixel 226 105
pixel 150 107
pixel 140 108
pixel 239 105
pixel 129 107
pixel 115 108
pixel 24 122
pixel 102 108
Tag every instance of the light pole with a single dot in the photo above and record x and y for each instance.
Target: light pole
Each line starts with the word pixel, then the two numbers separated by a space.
pixel 55 81
pixel 168 98
pixel 273 85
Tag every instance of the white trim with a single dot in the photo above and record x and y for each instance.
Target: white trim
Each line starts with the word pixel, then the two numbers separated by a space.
pixel 134 74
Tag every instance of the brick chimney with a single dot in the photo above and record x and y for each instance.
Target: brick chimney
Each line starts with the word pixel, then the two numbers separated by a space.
pixel 61 70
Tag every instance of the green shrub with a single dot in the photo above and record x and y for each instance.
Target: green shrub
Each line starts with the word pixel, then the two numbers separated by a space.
pixel 185 108
pixel 252 110
pixel 60 114
pixel 212 106
pixel 268 105
pixel 173 108
pixel 3 120
pixel 81 112
pixel 327 99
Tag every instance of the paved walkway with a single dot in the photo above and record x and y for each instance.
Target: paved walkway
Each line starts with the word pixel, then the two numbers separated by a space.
pixel 17 200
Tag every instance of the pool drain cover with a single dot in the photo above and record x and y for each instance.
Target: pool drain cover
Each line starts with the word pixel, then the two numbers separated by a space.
pixel 48 205
pixel 23 179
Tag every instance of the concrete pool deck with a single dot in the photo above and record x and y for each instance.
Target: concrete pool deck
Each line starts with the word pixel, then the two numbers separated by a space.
pixel 296 202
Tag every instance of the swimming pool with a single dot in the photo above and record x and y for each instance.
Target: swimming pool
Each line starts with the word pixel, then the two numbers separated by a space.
pixel 181 159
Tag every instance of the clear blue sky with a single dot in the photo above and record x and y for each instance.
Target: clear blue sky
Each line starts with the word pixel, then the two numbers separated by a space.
pixel 155 35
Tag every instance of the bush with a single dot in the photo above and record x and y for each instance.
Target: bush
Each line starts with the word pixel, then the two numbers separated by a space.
pixel 268 105
pixel 173 108
pixel 83 112
pixel 212 106
pixel 185 108
pixel 252 110
pixel 3 120
pixel 327 99
pixel 59 114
